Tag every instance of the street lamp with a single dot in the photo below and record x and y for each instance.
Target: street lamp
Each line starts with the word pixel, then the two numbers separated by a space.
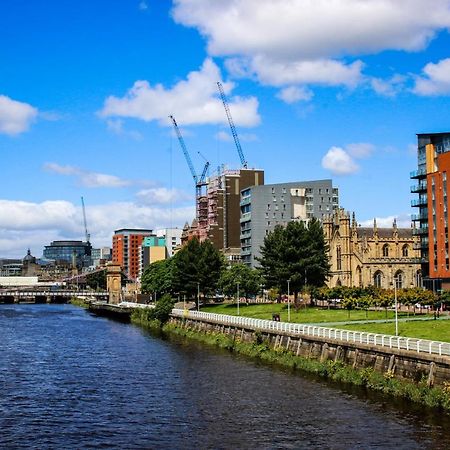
pixel 198 296
pixel 237 297
pixel 396 306
pixel 289 302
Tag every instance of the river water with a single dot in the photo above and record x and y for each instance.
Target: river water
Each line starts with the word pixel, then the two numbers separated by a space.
pixel 70 380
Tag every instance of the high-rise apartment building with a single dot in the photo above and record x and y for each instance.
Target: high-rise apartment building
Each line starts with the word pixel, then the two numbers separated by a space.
pixel 127 249
pixel 433 171
pixel 172 238
pixel 153 249
pixel 219 209
pixel 264 207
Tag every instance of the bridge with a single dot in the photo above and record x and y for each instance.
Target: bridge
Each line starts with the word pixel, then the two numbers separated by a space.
pixel 40 296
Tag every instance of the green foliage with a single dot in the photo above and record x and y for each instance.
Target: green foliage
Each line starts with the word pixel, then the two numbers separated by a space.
pixel 197 265
pixel 154 317
pixel 163 308
pixel 97 280
pixel 298 253
pixel 158 277
pixel 249 281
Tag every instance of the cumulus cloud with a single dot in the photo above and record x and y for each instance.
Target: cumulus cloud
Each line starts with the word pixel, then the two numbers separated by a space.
pixel 293 94
pixel 435 79
pixel 15 117
pixel 87 178
pixel 192 101
pixel 27 224
pixel 339 162
pixel 360 150
pixel 226 137
pixel 312 42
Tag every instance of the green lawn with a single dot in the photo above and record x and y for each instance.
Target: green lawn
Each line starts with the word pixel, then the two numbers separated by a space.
pixel 304 315
pixel 438 330
pixel 435 330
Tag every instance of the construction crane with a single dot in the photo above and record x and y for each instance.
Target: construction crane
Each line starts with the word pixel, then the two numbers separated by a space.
pixel 233 128
pixel 86 234
pixel 199 181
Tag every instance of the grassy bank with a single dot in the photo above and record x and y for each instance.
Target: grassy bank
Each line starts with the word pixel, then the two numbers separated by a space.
pixel 303 315
pixel 435 330
pixel 79 302
pixel 331 370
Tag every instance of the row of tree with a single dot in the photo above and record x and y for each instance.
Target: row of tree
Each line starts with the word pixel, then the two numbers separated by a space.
pixel 296 253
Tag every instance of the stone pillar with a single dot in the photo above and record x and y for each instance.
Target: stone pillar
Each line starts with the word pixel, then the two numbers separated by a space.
pixel 16 299
pixel 113 282
pixel 48 299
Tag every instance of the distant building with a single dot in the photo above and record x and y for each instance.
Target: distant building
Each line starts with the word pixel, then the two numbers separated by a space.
pixel 101 255
pixel 363 256
pixel 126 249
pixel 10 267
pixel 69 252
pixel 172 237
pixel 262 208
pixel 433 203
pixel 153 249
pixel 30 267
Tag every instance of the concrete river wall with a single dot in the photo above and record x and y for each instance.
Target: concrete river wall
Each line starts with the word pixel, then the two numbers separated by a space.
pixel 407 358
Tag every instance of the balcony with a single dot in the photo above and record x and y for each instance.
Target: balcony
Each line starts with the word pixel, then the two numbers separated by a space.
pixel 246 252
pixel 419 202
pixel 420 187
pixel 421 173
pixel 420 216
pixel 420 231
pixel 246 217
pixel 245 201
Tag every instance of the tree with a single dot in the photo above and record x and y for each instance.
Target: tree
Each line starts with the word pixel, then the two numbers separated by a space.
pixel 249 280
pixel 158 277
pixel 197 266
pixel 297 253
pixel 97 280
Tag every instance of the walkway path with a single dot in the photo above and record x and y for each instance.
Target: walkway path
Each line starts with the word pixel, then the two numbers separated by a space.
pixel 351 322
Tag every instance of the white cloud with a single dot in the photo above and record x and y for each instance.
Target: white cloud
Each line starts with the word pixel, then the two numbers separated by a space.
pixel 162 195
pixel 86 178
pixel 15 117
pixel 293 94
pixel 223 136
pixel 302 42
pixel 244 137
pixel 27 224
pixel 143 6
pixel 339 162
pixel 436 79
pixel 192 101
pixel 360 150
pixel 305 29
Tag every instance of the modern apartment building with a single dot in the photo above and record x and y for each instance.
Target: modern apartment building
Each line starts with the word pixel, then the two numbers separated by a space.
pixel 264 207
pixel 172 237
pixel 153 249
pixel 432 218
pixel 126 249
pixel 100 255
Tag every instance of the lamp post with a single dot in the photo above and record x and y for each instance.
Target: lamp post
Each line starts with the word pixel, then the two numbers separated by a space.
pixel 396 306
pixel 289 302
pixel 237 298
pixel 198 296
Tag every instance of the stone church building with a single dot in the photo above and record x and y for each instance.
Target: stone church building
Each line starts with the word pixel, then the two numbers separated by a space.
pixel 363 256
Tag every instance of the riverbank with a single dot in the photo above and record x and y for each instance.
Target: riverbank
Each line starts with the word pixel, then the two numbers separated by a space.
pixel 335 371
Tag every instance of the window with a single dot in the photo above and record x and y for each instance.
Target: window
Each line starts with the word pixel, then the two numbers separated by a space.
pixel 405 250
pixel 398 279
pixel 338 258
pixel 378 279
pixel 385 250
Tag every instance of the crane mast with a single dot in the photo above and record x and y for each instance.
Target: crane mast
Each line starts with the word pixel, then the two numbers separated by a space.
pixel 86 234
pixel 233 128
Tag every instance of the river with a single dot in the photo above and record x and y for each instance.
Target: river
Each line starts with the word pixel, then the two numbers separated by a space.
pixel 71 380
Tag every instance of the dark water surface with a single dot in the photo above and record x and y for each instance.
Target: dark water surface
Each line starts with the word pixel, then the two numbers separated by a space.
pixel 70 380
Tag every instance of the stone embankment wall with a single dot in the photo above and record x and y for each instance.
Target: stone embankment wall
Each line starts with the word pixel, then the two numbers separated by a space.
pixel 404 364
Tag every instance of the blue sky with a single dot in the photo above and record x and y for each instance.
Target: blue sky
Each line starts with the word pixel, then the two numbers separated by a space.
pixel 326 89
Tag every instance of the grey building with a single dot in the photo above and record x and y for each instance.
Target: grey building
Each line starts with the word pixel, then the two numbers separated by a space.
pixel 264 207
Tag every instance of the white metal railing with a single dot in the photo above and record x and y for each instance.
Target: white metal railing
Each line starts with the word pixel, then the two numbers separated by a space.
pixel 382 340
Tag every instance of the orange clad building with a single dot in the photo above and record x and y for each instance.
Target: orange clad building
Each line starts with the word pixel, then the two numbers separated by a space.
pixel 126 249
pixel 432 219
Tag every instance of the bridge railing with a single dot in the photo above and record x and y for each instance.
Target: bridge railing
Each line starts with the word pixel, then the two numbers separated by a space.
pixel 361 337
pixel 18 293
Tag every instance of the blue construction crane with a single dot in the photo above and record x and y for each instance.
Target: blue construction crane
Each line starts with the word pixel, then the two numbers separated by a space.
pixel 233 128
